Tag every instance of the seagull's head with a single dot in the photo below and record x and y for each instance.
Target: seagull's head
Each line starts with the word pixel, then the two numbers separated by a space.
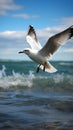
pixel 26 51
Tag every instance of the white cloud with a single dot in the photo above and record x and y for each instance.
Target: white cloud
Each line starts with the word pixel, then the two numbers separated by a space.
pixel 25 16
pixel 49 31
pixel 67 21
pixel 3 12
pixel 6 5
pixel 12 34
pixel 8 51
pixel 68 50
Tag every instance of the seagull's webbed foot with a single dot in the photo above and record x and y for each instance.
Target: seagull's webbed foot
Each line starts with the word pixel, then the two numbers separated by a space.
pixel 38 68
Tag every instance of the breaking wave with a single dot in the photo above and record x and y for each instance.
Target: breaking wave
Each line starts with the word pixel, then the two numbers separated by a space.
pixel 16 79
pixel 58 82
pixel 66 63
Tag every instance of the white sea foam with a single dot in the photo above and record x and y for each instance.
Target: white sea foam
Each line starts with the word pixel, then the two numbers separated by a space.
pixel 58 78
pixel 16 79
pixel 2 72
pixel 22 80
pixel 66 63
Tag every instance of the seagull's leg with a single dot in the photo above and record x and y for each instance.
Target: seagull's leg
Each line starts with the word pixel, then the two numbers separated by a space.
pixel 44 66
pixel 38 68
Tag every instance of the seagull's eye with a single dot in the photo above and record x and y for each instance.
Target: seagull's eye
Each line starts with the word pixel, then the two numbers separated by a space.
pixel 26 50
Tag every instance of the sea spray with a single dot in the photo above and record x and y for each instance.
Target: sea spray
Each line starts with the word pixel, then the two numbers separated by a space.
pixel 21 76
pixel 2 72
pixel 16 79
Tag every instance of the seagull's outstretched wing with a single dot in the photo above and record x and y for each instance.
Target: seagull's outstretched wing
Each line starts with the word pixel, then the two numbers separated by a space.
pixel 56 41
pixel 32 39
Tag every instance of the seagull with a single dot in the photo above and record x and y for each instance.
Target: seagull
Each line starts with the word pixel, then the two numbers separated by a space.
pixel 41 54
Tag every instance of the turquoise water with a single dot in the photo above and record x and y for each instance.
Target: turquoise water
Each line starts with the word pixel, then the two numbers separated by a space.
pixel 35 101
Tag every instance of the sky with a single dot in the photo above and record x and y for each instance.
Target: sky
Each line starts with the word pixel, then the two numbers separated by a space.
pixel 48 18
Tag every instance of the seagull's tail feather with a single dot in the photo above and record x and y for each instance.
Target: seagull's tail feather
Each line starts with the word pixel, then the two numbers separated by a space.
pixel 49 68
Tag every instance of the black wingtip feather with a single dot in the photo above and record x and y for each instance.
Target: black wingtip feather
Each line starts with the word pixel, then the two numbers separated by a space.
pixel 30 26
pixel 32 32
pixel 71 31
pixel 31 29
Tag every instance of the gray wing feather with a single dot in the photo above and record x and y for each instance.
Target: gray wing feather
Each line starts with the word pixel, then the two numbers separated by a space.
pixel 56 41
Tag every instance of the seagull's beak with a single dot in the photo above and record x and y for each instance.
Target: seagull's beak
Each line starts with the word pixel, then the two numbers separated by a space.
pixel 21 52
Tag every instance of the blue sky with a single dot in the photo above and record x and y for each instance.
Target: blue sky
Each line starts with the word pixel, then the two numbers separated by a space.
pixel 48 18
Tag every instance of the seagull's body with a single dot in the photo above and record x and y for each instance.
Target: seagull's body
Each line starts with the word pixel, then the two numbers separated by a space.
pixel 41 55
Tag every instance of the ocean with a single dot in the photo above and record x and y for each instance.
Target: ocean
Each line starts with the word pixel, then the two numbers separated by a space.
pixel 36 101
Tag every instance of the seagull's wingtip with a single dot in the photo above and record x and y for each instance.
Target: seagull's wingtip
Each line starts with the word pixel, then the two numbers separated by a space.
pixel 30 26
pixel 71 35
